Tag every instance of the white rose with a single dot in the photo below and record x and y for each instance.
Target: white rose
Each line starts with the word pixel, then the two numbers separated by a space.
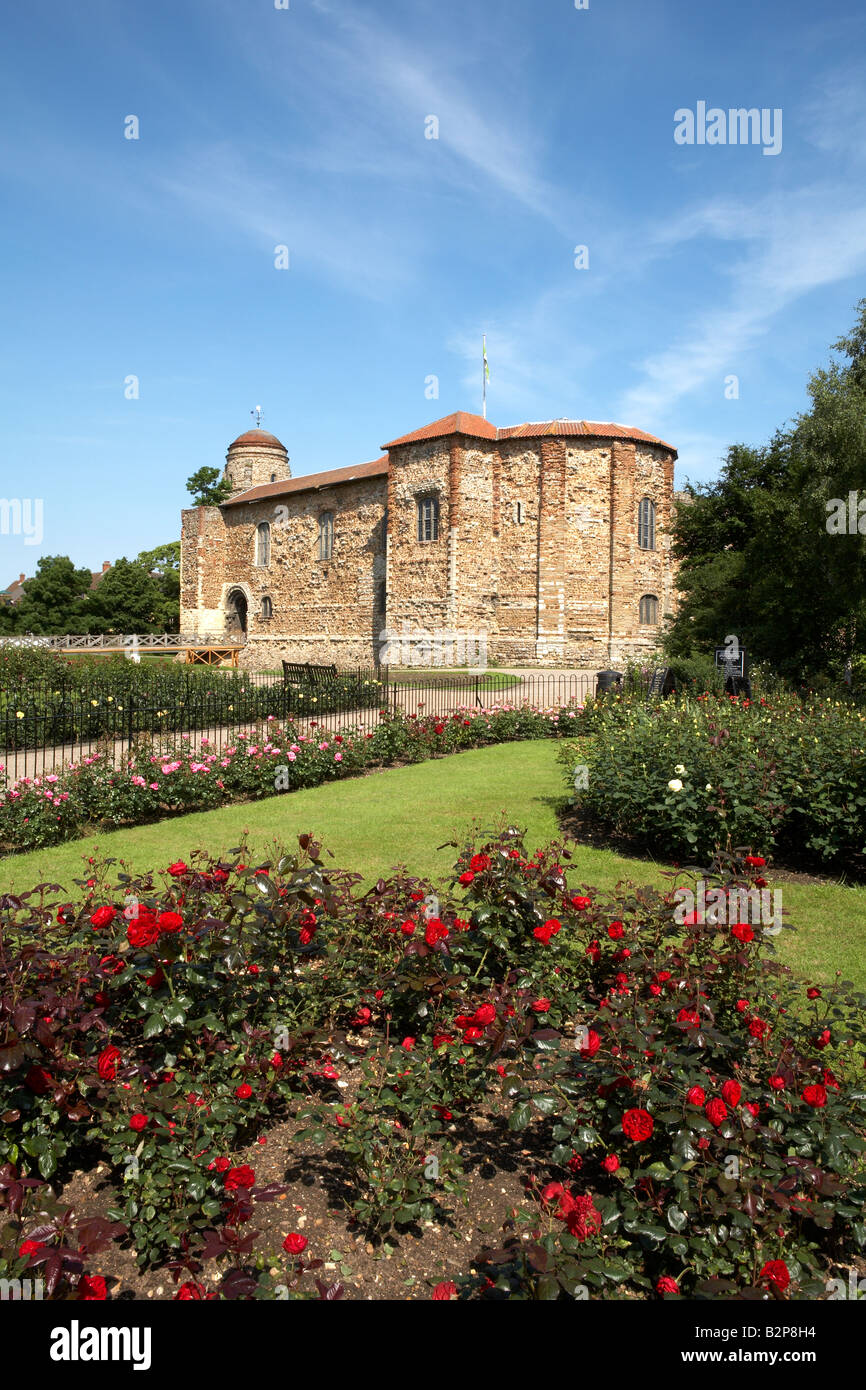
pixel 708 787
pixel 679 770
pixel 675 785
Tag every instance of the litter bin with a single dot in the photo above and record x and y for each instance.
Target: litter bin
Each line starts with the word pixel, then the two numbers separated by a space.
pixel 607 682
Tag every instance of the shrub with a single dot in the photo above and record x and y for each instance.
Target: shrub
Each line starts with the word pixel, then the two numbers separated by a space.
pixel 783 776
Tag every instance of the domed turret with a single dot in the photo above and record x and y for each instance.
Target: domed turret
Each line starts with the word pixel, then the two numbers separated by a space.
pixel 256 457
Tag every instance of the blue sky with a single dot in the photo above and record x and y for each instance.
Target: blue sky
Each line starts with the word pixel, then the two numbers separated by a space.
pixel 305 127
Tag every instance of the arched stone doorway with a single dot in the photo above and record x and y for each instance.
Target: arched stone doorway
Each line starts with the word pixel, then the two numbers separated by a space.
pixel 236 613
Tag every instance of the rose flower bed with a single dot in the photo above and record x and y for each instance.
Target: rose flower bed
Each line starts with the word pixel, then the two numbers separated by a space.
pixel 680 777
pixel 695 1112
pixel 37 811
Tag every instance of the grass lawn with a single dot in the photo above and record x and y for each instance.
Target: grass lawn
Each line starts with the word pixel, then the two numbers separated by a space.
pixel 401 816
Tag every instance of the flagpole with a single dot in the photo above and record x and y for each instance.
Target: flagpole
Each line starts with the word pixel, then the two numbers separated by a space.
pixel 484 376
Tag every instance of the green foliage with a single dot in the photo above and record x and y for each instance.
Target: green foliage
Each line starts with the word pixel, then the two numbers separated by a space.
pixel 782 776
pixel 56 599
pixel 756 556
pixel 208 487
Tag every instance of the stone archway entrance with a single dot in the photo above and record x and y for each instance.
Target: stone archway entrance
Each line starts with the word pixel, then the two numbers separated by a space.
pixel 236 613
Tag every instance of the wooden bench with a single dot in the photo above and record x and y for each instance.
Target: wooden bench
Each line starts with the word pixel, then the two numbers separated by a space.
pixel 302 673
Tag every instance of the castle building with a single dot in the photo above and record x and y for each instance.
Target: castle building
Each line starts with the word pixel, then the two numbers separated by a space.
pixel 550 539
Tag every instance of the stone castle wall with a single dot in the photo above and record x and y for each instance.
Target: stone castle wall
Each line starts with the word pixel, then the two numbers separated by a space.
pixel 537 546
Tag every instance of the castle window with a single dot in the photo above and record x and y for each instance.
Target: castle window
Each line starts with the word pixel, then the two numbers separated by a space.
pixel 273 477
pixel 267 607
pixel 428 519
pixel 646 524
pixel 263 544
pixel 649 609
pixel 379 599
pixel 519 513
pixel 326 535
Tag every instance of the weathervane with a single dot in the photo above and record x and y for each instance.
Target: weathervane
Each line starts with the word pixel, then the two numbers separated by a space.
pixel 258 414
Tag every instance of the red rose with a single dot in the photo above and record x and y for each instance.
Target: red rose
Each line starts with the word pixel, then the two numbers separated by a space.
pixel 91 1289
pixel 407 928
pixel 758 1028
pixel 716 1111
pixel 742 931
pixel 666 1285
pixel 753 1108
pixel 467 878
pixel 581 903
pixel 306 934
pixel 473 1035
pixel 222 1165
pixel 777 1083
pixel 138 1122
pixel 435 931
pixel 143 931
pixel 755 861
pixel 592 1044
pixel 407 1044
pixel 102 916
pixel 775 1272
pixel 30 1247
pixel 178 870
pixel 484 1015
pixel 444 1292
pixel 295 1244
pixel 189 1291
pixel 478 863
pixel 637 1125
pixel 540 1006
pixel 542 934
pixel 816 1096
pixel 238 1177
pixel 244 1091
pixel 731 1092
pixel 742 1005
pixel 582 1220
pixel 615 931
pixel 610 1163
pixel 690 1017
pixel 169 921
pixel 813 993
pixel 441 1040
pixel 106 1063
pixel 696 1096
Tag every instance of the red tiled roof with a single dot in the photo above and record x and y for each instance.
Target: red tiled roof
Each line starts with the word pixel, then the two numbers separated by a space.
pixel 260 437
pixel 312 482
pixel 477 427
pixel 459 423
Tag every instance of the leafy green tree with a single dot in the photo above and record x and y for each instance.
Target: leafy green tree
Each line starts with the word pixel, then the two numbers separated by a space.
pixel 55 599
pixel 208 487
pixel 128 599
pixel 758 555
pixel 163 564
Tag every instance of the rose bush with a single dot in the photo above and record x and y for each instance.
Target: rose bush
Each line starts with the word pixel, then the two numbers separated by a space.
pixel 701 1109
pixel 683 777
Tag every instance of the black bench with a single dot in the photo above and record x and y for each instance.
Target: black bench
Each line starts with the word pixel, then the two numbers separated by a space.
pixel 302 673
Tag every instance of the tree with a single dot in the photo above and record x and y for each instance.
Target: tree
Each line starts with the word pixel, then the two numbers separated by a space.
pixel 55 599
pixel 163 564
pixel 128 599
pixel 759 558
pixel 208 487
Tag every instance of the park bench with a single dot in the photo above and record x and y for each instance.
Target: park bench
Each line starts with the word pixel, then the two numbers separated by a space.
pixel 303 673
